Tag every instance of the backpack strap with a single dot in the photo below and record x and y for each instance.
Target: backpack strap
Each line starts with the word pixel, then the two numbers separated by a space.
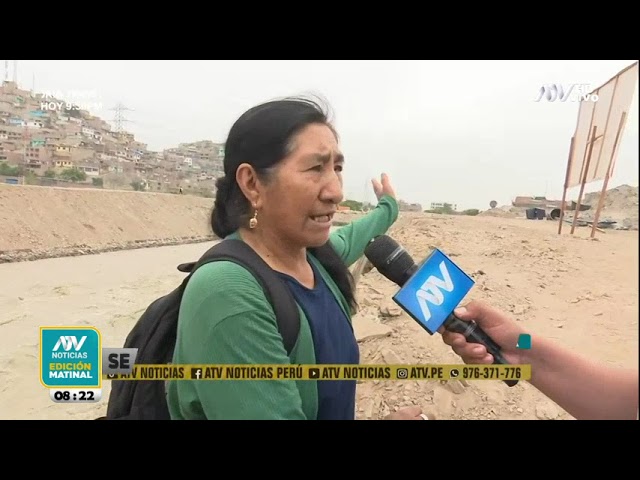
pixel 278 294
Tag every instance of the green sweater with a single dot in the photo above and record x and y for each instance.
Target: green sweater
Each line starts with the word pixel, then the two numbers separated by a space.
pixel 225 318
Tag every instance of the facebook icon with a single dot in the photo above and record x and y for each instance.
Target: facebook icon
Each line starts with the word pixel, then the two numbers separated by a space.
pixel 196 373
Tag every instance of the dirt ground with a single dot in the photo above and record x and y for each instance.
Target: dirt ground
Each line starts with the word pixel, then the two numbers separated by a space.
pixel 579 291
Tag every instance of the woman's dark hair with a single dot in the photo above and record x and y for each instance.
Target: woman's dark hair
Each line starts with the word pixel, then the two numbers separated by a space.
pixel 262 137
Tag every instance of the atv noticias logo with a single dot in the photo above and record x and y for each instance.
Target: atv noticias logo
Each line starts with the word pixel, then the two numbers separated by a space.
pixel 70 357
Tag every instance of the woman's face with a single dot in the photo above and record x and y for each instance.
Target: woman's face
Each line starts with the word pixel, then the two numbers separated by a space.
pixel 299 203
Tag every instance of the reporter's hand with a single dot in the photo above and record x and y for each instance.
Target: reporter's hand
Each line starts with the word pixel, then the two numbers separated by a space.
pixel 383 187
pixel 502 329
pixel 409 413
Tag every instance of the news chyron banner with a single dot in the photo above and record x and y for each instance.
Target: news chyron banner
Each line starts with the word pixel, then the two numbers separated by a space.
pixel 71 363
pixel 324 372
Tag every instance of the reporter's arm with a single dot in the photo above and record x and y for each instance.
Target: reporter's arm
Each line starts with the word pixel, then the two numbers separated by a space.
pixel 585 389
pixel 351 240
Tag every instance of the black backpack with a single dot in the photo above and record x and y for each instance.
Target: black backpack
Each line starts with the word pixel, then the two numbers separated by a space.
pixel 155 332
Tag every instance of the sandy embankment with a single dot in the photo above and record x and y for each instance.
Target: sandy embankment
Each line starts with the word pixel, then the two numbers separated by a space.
pixel 581 292
pixel 43 222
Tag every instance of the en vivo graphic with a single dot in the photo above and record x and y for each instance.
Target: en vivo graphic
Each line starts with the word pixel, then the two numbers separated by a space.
pixel 576 92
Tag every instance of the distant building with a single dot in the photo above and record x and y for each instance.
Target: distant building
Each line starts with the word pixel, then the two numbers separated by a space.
pixel 537 202
pixel 409 207
pixel 438 205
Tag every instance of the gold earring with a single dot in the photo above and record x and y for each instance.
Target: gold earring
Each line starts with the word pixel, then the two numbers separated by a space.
pixel 254 221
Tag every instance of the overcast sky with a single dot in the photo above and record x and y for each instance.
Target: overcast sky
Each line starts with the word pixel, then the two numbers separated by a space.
pixel 464 132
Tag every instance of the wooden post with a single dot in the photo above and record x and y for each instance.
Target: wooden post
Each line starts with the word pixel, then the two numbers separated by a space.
pixel 596 217
pixel 566 182
pixel 584 179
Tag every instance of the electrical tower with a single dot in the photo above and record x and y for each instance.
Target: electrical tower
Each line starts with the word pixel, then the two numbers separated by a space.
pixel 119 118
pixel 15 71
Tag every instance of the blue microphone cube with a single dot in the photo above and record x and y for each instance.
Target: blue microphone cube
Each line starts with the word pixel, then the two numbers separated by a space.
pixel 434 291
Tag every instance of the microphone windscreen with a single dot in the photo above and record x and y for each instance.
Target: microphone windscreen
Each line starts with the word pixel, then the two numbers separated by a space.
pixel 389 258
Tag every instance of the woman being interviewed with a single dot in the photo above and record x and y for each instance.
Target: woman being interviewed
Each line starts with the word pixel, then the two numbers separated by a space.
pixel 281 188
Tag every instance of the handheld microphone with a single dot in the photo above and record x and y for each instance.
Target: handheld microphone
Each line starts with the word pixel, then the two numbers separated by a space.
pixel 430 292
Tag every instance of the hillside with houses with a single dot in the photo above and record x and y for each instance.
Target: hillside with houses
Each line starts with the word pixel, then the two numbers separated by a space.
pixel 46 141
